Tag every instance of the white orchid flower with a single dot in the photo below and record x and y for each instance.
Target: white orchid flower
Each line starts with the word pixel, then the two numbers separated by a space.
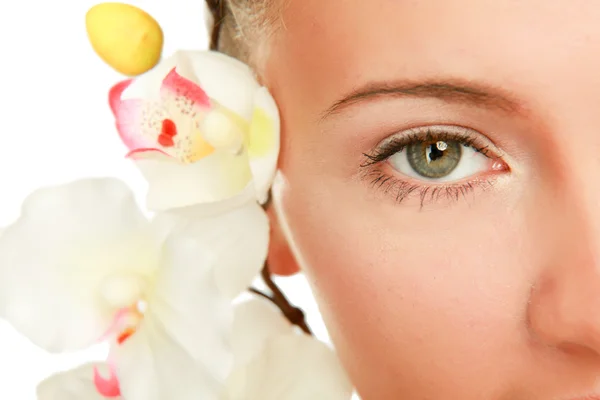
pixel 82 265
pixel 200 128
pixel 275 361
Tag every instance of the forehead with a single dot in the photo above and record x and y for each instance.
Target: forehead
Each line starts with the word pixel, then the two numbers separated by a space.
pixel 330 46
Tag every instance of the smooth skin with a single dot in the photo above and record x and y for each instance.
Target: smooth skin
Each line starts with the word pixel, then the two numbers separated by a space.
pixel 492 292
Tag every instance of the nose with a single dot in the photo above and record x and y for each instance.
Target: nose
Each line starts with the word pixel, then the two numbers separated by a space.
pixel 564 304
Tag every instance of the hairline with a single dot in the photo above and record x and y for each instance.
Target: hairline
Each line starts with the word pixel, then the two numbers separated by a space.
pixel 249 44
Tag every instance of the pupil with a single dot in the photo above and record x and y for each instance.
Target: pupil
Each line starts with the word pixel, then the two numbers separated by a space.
pixel 435 152
pixel 434 158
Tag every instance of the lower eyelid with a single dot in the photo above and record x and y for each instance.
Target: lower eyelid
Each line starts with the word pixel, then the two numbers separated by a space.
pixel 400 191
pixel 400 188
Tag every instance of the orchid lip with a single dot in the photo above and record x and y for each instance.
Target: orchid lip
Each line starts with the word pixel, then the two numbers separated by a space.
pixel 125 325
pixel 107 387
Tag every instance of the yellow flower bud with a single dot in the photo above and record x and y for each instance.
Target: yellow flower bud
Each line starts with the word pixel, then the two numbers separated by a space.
pixel 125 37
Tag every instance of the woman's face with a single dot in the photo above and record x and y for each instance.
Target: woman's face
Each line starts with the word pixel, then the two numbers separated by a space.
pixel 440 187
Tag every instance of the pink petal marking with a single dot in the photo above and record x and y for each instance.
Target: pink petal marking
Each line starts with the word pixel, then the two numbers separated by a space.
pixel 129 115
pixel 168 123
pixel 107 387
pixel 115 93
pixel 148 152
pixel 180 86
pixel 115 325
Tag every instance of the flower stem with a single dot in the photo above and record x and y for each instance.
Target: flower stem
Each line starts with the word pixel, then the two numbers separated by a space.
pixel 293 314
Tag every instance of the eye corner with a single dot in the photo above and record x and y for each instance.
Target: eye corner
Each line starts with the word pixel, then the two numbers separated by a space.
pixel 500 166
pixel 373 158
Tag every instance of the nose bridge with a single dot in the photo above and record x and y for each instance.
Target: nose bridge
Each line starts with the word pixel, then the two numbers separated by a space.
pixel 564 307
pixel 579 188
pixel 573 159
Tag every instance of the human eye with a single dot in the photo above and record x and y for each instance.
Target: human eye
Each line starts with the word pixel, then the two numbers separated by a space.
pixel 433 163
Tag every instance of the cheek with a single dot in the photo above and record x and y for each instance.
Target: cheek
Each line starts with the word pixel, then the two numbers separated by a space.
pixel 415 304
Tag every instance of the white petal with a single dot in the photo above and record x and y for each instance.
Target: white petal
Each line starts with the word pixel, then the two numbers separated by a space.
pixel 214 178
pixel 56 257
pixel 238 235
pixel 165 221
pixel 226 80
pixel 242 245
pixel 264 142
pixel 255 322
pixel 153 365
pixel 76 384
pixel 182 349
pixel 147 86
pixel 292 367
pixel 238 231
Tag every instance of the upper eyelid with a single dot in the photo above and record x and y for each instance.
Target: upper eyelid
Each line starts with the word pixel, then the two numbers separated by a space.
pixel 452 130
pixel 476 139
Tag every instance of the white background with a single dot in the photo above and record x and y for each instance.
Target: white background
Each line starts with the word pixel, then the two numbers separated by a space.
pixel 55 126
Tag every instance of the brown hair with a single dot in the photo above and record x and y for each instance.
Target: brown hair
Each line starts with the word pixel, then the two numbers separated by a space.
pixel 230 37
pixel 241 27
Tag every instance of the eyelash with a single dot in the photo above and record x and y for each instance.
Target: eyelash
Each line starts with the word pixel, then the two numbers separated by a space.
pixel 402 187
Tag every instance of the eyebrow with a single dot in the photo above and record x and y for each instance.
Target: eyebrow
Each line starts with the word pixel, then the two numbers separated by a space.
pixel 458 92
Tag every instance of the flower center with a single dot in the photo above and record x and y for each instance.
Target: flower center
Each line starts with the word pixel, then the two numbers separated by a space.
pixel 125 293
pixel 122 290
pixel 127 321
pixel 221 132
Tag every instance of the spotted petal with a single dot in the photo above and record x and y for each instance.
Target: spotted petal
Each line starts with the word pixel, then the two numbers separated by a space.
pixel 57 257
pixel 128 115
pixel 193 82
pixel 168 122
pixel 76 384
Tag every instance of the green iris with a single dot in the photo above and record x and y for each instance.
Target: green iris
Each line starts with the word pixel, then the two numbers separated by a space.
pixel 434 159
